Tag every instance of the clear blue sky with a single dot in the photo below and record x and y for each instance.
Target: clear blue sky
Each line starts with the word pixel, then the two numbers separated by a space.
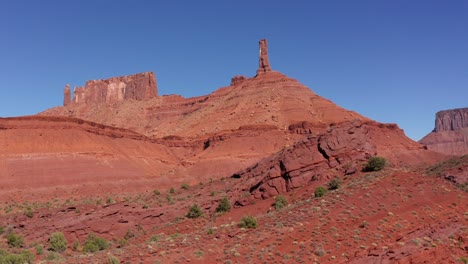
pixel 395 61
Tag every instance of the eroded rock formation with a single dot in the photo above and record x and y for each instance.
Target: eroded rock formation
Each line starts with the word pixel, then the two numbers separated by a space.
pixel 450 135
pixel 449 120
pixel 140 86
pixel 66 95
pixel 264 63
pixel 339 151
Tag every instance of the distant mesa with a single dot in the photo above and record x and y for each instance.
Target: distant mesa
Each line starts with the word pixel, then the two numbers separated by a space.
pixel 451 120
pixel 450 135
pixel 140 86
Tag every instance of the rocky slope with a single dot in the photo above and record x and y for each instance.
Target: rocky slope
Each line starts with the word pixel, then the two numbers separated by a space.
pixel 450 135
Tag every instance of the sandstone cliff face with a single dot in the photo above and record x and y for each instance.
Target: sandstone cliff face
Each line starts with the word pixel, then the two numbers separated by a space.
pixel 450 135
pixel 450 120
pixel 139 86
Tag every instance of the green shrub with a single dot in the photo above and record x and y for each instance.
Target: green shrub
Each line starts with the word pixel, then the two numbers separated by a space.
pixel 94 243
pixel 248 222
pixel 185 186
pixel 320 191
pixel 194 211
pixel 57 242
pixel 39 249
pixel 172 190
pixel 334 184
pixel 76 245
pixel 375 163
pixel 11 258
pixel 280 202
pixel 53 256
pixel 156 192
pixel 15 240
pixel 2 230
pixel 113 260
pixel 224 206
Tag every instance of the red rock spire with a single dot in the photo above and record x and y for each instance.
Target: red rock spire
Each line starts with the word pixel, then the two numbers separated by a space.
pixel 66 95
pixel 264 64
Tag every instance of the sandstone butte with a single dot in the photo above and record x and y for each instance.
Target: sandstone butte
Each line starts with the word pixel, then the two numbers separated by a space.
pixel 91 166
pixel 450 135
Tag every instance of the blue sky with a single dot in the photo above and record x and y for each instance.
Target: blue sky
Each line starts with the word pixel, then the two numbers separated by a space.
pixel 393 61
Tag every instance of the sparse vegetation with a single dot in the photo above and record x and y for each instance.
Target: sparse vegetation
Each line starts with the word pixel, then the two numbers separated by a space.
pixel 248 222
pixel 375 163
pixel 156 192
pixel 39 249
pixel 185 186
pixel 53 256
pixel 13 258
pixel 76 245
pixel 57 242
pixel 334 184
pixel 172 190
pixel 224 206
pixel 29 212
pixel 280 202
pixel 94 243
pixel 15 241
pixel 320 191
pixel 194 211
pixel 113 260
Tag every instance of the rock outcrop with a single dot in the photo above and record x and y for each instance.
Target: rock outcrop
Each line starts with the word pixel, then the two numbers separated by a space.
pixel 450 135
pixel 450 120
pixel 141 86
pixel 263 61
pixel 337 152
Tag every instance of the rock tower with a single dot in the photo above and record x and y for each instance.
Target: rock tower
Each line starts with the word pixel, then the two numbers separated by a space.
pixel 264 63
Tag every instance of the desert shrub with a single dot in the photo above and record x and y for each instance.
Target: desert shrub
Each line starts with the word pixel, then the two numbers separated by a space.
pixel 113 260
pixel 320 191
pixel 12 258
pixel 94 243
pixel 223 206
pixel 280 202
pixel 156 192
pixel 15 240
pixel 334 184
pixel 172 190
pixel 185 186
pixel 2 230
pixel 57 242
pixel 375 163
pixel 194 211
pixel 76 245
pixel 39 249
pixel 248 222
pixel 29 212
pixel 129 234
pixel 53 256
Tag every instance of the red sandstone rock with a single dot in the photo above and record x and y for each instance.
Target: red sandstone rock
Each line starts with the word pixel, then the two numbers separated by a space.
pixel 264 62
pixel 319 158
pixel 450 120
pixel 450 135
pixel 236 80
pixel 66 95
pixel 141 86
